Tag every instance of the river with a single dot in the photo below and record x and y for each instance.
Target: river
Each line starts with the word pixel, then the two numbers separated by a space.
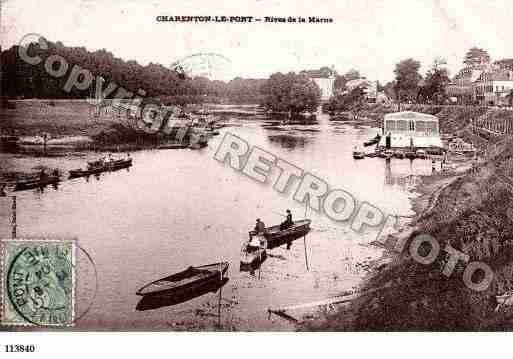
pixel 176 208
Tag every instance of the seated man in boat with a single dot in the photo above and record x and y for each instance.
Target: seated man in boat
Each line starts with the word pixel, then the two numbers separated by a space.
pixel 288 222
pixel 42 175
pixel 259 226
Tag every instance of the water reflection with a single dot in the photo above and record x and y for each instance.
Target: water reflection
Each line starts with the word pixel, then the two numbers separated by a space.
pixel 288 141
pixel 159 301
pixel 405 173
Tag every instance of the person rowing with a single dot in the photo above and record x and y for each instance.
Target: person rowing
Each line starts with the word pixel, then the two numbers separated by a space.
pixel 288 222
pixel 259 226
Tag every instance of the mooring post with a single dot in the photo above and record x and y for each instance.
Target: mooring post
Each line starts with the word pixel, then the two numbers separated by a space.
pixel 306 256
pixel 13 218
pixel 220 296
pixel 259 264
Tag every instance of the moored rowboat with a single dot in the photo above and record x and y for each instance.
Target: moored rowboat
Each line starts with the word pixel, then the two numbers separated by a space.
pixel 35 183
pixel 187 280
pixel 172 146
pixel 358 155
pixel 372 141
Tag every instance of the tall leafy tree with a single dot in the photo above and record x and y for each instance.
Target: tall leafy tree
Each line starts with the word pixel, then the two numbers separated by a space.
pixel 476 56
pixel 290 92
pixel 435 82
pixel 407 78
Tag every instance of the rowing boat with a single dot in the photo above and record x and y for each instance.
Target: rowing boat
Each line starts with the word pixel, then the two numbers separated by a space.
pixel 22 185
pixel 188 280
pixel 96 168
pixel 372 141
pixel 276 236
pixel 172 146
pixel 358 155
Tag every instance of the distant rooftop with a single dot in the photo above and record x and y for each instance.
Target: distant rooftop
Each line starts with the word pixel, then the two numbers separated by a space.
pixel 410 115
pixel 324 72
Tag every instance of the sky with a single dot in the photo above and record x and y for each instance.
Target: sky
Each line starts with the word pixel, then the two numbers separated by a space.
pixel 368 35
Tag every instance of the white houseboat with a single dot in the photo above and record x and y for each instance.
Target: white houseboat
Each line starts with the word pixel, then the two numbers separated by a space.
pixel 410 130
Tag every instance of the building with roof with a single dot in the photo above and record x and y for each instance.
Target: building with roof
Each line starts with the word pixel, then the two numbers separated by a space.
pixel 494 87
pixel 482 82
pixel 462 87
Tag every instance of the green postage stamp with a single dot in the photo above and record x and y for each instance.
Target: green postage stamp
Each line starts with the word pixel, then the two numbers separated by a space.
pixel 38 282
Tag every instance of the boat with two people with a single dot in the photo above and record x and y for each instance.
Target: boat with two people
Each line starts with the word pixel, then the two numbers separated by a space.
pixel 284 233
pixel 101 165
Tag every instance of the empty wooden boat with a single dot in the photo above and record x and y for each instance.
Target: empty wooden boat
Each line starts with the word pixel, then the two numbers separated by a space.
pixel 372 141
pixel 190 279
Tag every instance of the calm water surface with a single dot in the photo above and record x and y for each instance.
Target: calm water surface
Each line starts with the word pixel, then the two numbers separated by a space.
pixel 176 208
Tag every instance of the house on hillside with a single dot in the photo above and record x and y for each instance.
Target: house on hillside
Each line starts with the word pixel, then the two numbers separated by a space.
pixel 325 79
pixel 462 86
pixel 493 87
pixel 483 83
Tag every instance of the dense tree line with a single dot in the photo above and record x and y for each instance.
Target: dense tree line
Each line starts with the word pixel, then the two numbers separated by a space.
pixel 23 80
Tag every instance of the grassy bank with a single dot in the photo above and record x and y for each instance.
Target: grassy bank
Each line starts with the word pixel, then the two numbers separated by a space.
pixel 72 123
pixel 470 212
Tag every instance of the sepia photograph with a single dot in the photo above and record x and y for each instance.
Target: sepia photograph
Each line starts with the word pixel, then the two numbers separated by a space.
pixel 255 166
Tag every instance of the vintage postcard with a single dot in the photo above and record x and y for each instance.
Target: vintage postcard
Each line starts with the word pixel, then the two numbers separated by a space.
pixel 255 166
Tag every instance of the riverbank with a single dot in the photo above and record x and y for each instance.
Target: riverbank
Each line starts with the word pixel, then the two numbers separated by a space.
pixel 467 210
pixel 74 125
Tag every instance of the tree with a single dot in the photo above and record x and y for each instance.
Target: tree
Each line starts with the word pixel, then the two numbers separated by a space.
pixel 476 56
pixel 291 92
pixel 341 80
pixel 389 90
pixel 407 79
pixel 353 101
pixel 435 82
